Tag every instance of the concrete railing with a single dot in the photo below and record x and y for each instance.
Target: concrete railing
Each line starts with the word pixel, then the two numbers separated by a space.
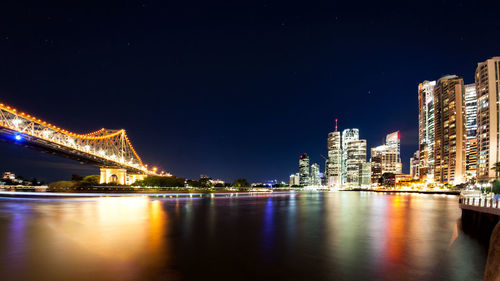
pixel 484 205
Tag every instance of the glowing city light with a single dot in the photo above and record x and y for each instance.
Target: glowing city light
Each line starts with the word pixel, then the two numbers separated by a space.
pixel 17 122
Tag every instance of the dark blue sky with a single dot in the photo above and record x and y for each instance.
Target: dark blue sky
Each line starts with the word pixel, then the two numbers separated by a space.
pixel 232 89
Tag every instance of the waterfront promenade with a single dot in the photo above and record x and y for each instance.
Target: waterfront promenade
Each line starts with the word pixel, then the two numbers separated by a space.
pixel 482 205
pixel 480 219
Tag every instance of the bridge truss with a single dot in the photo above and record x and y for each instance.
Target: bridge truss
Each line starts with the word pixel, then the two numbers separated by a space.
pixel 104 148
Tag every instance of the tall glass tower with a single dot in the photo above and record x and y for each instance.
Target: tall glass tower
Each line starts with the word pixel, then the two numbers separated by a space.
pixel 449 134
pixel 471 128
pixel 334 164
pixel 356 158
pixel 488 126
pixel 348 135
pixel 426 129
pixel 304 170
pixel 315 179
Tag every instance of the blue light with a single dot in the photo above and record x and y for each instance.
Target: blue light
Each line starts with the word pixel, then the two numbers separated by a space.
pixel 18 137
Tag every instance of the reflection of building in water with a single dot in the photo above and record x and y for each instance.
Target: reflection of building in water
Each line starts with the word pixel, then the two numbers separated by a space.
pixel 395 234
pixel 114 230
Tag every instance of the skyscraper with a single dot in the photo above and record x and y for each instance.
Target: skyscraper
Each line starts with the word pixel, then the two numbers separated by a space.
pixel 449 133
pixel 471 128
pixel 386 158
pixel 488 126
pixel 355 158
pixel 414 165
pixel 376 164
pixel 292 180
pixel 391 157
pixel 334 159
pixel 348 135
pixel 304 170
pixel 426 129
pixel 315 177
pixel 365 177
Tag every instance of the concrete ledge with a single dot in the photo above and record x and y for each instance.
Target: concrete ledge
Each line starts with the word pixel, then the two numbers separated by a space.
pixel 492 270
pixel 487 210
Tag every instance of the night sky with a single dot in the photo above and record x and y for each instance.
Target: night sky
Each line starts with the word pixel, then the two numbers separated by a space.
pixel 231 89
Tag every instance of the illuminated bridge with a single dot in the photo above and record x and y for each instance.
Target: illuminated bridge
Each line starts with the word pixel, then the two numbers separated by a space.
pixel 111 150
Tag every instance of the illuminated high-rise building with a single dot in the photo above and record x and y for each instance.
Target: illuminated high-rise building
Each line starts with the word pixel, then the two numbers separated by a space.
pixel 304 179
pixel 471 151
pixel 376 164
pixel 294 179
pixel 449 134
pixel 315 176
pixel 355 158
pixel 414 165
pixel 365 176
pixel 391 162
pixel 334 165
pixel 348 135
pixel 488 124
pixel 386 158
pixel 426 129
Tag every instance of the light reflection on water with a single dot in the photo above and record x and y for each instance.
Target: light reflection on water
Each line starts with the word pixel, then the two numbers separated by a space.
pixel 309 236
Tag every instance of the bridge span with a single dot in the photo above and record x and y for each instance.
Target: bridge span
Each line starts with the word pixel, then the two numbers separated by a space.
pixel 111 150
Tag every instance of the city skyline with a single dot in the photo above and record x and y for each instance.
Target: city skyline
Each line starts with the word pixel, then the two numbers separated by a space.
pixel 457 140
pixel 250 140
pixel 173 92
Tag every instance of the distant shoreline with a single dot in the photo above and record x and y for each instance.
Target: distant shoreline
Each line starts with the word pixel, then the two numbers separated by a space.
pixel 172 194
pixel 446 192
pixel 186 194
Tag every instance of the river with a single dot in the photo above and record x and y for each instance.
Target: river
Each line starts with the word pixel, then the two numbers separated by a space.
pixel 294 236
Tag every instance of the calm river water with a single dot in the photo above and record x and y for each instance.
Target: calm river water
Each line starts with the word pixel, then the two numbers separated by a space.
pixel 297 236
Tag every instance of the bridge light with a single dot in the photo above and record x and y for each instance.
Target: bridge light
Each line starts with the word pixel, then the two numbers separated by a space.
pixel 17 122
pixel 18 137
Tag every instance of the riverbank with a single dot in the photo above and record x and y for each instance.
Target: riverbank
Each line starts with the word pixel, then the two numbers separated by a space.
pixel 446 192
pixel 65 195
pixel 179 192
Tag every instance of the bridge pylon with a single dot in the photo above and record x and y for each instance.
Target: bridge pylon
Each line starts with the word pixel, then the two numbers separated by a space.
pixel 118 176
